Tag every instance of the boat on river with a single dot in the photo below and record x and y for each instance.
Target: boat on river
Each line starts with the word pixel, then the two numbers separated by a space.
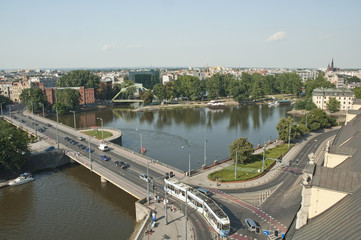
pixel 273 104
pixel 23 178
pixel 215 105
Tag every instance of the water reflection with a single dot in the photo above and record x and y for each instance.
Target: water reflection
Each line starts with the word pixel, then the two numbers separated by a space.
pixel 165 131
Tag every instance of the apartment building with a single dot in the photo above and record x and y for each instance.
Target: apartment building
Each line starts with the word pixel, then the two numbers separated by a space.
pixel 321 97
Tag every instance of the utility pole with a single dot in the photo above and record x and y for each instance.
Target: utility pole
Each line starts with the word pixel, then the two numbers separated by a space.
pixel 189 158
pixel 186 215
pixel 57 137
pixel 165 204
pixel 235 167
pixel 148 181
pixel 205 152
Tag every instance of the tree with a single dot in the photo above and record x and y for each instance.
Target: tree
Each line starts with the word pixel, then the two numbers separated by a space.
pixel 319 82
pixel 352 79
pixel 317 119
pixel 333 105
pixel 33 99
pixel 160 91
pixel 67 99
pixel 79 78
pixel 5 100
pixel 357 91
pixel 14 150
pixel 147 96
pixel 283 129
pixel 244 150
pixel 306 103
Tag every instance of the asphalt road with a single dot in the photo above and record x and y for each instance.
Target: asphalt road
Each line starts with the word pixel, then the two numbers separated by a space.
pixel 131 173
pixel 283 203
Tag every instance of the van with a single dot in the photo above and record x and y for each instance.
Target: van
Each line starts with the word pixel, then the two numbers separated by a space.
pixel 103 147
pixel 251 224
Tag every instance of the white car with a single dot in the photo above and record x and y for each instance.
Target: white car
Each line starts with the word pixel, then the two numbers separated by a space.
pixel 145 178
pixel 80 138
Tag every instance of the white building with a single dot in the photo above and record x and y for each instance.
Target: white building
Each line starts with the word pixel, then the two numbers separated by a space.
pixel 307 74
pixel 345 96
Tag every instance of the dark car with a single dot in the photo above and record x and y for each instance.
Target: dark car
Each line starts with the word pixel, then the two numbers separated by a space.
pixel 104 157
pixel 48 125
pixel 51 148
pixel 22 121
pixel 41 130
pixel 74 142
pixel 121 164
pixel 89 149
pixel 66 139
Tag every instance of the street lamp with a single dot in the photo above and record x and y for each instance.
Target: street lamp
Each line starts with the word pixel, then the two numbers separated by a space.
pixel 57 122
pixel 2 108
pixel 189 158
pixel 148 180
pixel 74 119
pixel 101 121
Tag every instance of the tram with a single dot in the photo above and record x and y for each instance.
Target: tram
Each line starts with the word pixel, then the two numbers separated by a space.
pixel 216 217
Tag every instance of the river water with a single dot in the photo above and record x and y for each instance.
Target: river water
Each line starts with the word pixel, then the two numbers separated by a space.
pixel 72 203
pixel 166 133
pixel 68 203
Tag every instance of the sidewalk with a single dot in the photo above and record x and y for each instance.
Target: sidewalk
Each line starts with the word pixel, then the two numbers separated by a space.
pixel 175 229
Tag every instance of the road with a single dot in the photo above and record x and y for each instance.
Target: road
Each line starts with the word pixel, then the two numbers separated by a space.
pixel 283 203
pixel 131 174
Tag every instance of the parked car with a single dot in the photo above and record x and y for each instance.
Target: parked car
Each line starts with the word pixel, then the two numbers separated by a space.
pixel 51 148
pixel 145 178
pixel 48 125
pixel 80 138
pixel 89 149
pixel 66 139
pixel 22 121
pixel 41 130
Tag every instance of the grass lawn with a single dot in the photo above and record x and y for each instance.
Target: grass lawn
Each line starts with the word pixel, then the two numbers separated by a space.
pixel 249 169
pixel 98 133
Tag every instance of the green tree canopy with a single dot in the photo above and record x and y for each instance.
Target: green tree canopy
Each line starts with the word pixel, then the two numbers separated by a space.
pixel 147 96
pixel 5 100
pixel 319 82
pixel 317 119
pixel 67 99
pixel 33 98
pixel 79 78
pixel 333 105
pixel 244 150
pixel 357 91
pixel 14 150
pixel 283 129
pixel 160 91
pixel 306 104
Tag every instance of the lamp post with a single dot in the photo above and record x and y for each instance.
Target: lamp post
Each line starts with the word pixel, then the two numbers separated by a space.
pixel 186 215
pixel 289 135
pixel 189 158
pixel 90 154
pixel 101 121
pixel 205 152
pixel 165 204
pixel 2 108
pixel 57 122
pixel 148 181
pixel 74 119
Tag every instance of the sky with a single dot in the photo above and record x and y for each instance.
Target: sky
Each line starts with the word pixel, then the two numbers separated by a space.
pixel 184 33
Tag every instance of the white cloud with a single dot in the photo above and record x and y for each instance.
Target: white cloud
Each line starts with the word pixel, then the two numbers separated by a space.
pixel 277 36
pixel 107 47
pixel 134 46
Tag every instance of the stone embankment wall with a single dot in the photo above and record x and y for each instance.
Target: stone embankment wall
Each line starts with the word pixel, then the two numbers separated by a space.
pixel 47 160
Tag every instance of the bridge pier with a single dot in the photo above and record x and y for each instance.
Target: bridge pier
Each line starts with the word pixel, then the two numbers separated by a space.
pixel 103 180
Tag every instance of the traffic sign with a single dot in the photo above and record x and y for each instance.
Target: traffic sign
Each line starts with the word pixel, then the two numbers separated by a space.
pixel 265 232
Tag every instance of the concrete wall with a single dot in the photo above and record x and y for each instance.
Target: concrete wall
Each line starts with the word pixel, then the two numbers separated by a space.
pixel 47 160
pixel 322 199
pixel 141 211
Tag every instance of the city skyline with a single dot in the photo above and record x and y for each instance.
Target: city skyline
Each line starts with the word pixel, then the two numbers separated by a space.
pixel 90 34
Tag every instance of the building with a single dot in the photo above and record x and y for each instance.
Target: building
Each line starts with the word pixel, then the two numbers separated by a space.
pixel 147 78
pixel 337 79
pixel 6 88
pixel 87 95
pixel 345 96
pixel 307 74
pixel 47 81
pixel 331 195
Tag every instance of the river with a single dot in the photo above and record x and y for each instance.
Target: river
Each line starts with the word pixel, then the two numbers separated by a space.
pixel 166 133
pixel 71 203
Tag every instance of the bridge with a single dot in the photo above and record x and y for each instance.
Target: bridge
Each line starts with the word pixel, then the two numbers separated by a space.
pixel 126 179
pixel 137 88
